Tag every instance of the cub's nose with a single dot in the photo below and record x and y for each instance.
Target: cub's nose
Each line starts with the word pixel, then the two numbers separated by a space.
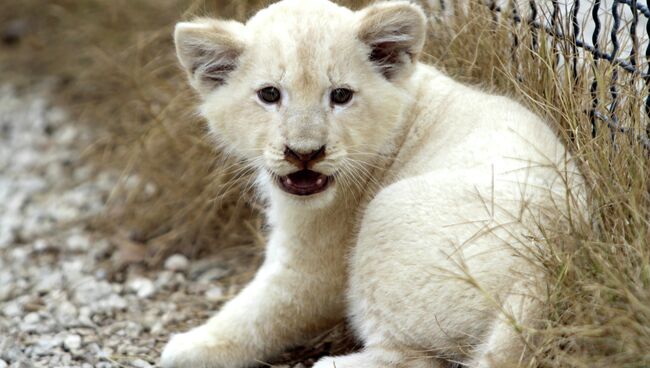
pixel 304 160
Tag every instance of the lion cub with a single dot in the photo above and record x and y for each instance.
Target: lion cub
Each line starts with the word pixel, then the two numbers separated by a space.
pixel 397 197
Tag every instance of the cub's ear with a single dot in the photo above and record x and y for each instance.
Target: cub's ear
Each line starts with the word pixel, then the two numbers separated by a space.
pixel 395 32
pixel 209 49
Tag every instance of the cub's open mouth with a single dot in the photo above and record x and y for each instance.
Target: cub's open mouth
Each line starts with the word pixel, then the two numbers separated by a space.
pixel 304 182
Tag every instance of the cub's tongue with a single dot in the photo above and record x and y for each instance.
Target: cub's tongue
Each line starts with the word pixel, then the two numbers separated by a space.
pixel 306 178
pixel 304 182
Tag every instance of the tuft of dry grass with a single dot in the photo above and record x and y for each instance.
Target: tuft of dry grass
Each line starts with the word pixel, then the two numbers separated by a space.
pixel 118 73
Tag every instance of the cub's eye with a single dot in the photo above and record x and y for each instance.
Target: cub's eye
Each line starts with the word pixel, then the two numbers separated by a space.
pixel 269 95
pixel 341 96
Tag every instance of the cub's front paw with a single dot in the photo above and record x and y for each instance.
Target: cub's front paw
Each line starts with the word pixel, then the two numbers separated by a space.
pixel 189 349
pixel 198 348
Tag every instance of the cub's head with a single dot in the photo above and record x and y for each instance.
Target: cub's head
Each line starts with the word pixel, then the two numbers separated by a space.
pixel 308 92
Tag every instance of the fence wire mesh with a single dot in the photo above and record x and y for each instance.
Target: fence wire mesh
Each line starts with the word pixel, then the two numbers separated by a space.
pixel 597 31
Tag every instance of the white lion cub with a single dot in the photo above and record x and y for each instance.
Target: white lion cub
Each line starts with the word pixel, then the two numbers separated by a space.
pixel 397 197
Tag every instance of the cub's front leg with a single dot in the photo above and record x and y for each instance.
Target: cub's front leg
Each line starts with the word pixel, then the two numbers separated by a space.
pixel 296 293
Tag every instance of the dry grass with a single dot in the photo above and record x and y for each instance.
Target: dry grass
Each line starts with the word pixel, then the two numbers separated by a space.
pixel 119 74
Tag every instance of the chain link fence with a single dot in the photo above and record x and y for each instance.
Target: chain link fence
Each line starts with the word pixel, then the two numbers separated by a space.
pixel 596 31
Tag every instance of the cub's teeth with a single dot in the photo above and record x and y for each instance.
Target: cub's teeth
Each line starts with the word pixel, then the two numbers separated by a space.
pixel 288 181
pixel 319 181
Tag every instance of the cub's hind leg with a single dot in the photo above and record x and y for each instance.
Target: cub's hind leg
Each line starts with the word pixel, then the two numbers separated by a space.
pixel 430 264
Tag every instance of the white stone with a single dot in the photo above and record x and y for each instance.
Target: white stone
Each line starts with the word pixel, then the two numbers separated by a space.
pixel 48 343
pixel 41 245
pixel 20 254
pixel 3 364
pixel 67 135
pixel 49 281
pixel 66 359
pixel 177 262
pixel 111 303
pixel 143 287
pixel 128 329
pixel 85 317
pixel 32 318
pixel 66 313
pixel 214 294
pixel 90 291
pixel 7 237
pixel 157 328
pixel 97 296
pixel 78 243
pixel 150 189
pixel 12 309
pixel 6 284
pixel 72 342
pixel 73 269
pixel 12 353
pixel 16 202
pixel 165 279
pixel 139 363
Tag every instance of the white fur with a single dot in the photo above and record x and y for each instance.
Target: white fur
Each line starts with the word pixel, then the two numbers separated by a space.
pixel 423 239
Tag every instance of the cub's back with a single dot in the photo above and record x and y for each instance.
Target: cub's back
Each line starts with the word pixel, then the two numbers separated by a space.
pixel 457 127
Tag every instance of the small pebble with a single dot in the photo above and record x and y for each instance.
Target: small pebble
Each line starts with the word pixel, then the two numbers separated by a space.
pixel 143 287
pixel 157 328
pixel 12 309
pixel 32 318
pixel 48 343
pixel 49 281
pixel 214 294
pixel 72 342
pixel 139 363
pixel 41 245
pixel 78 243
pixel 177 262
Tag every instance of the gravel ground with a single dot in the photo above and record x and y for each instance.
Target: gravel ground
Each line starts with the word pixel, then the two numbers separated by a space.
pixel 70 297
